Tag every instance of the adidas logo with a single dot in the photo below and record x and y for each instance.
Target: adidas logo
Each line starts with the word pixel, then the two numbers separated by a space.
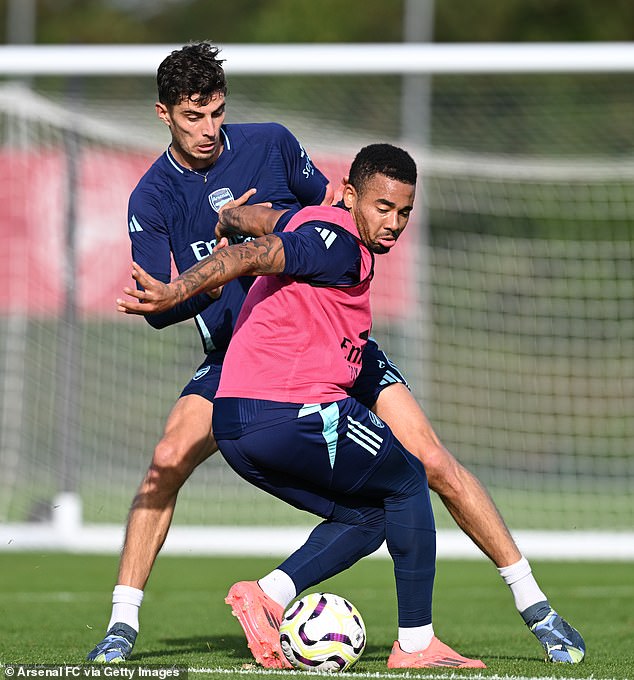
pixel 274 622
pixel 447 661
pixel 363 436
pixel 134 225
pixel 327 235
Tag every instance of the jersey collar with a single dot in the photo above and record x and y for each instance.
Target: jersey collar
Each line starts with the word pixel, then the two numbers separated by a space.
pixel 179 168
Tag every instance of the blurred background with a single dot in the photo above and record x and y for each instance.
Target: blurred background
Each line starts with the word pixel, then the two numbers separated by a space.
pixel 511 310
pixel 280 21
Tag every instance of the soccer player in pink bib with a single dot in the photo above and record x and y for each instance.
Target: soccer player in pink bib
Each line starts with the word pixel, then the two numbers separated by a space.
pixel 284 421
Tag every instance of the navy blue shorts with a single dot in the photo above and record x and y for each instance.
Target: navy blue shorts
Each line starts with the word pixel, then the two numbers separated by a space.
pixel 315 455
pixel 205 380
pixel 377 372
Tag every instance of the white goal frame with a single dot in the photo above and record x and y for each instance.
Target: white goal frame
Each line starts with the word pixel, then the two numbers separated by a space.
pixel 270 59
pixel 66 531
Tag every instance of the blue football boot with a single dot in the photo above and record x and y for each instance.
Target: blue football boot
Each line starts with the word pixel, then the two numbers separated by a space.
pixel 116 646
pixel 561 642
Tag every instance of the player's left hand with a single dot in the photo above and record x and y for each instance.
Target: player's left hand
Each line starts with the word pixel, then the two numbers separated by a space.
pixel 225 230
pixel 155 297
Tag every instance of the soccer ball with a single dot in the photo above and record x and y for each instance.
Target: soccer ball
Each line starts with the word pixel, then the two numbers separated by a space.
pixel 323 633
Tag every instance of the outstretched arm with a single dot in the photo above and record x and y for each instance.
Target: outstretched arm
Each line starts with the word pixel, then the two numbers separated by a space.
pixel 262 256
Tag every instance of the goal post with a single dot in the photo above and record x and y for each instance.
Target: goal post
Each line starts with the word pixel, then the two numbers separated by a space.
pixel 335 58
pixel 511 313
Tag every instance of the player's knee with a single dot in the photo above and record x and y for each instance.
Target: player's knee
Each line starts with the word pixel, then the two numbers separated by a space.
pixel 170 467
pixel 443 470
pixel 374 524
pixel 368 520
pixel 373 529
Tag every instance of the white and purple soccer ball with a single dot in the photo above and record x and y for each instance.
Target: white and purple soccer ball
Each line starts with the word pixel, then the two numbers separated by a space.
pixel 322 633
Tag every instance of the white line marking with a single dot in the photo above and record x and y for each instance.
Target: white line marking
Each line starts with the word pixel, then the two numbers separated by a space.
pixel 408 675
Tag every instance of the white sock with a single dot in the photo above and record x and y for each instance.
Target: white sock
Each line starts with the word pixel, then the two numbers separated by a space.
pixel 522 583
pixel 125 606
pixel 279 586
pixel 415 639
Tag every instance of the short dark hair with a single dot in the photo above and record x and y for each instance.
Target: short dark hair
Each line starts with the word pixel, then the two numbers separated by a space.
pixel 192 72
pixel 382 159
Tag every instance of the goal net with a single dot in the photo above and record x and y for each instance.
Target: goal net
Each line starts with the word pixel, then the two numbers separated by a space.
pixel 509 305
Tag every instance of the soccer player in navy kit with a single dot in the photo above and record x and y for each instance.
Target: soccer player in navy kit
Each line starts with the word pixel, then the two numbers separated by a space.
pixel 187 186
pixel 172 212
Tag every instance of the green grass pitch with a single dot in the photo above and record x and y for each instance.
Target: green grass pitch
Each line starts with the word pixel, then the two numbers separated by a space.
pixel 53 609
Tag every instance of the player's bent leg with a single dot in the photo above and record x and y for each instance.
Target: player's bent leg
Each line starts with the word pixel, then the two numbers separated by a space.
pixel 260 618
pixel 410 533
pixel 472 509
pixel 331 547
pixel 186 442
pixel 336 544
pixel 465 497
pixel 437 655
pixel 561 642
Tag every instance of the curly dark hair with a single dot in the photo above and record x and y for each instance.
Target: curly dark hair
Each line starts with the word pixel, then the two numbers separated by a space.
pixel 382 159
pixel 192 72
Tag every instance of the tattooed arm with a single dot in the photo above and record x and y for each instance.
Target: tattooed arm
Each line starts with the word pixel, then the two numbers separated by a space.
pixel 262 256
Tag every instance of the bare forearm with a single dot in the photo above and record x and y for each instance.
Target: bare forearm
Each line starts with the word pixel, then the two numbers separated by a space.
pixel 261 256
pixel 264 255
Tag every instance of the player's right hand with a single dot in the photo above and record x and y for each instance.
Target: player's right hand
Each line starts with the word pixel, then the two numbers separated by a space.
pixel 154 297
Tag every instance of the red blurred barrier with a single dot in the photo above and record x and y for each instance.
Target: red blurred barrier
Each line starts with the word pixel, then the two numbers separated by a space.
pixel 33 209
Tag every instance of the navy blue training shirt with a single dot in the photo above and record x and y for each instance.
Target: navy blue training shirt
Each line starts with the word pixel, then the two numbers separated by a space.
pixel 174 210
pixel 322 254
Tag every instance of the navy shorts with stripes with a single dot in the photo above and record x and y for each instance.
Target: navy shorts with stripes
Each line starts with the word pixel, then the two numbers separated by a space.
pixel 313 455
pixel 338 461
